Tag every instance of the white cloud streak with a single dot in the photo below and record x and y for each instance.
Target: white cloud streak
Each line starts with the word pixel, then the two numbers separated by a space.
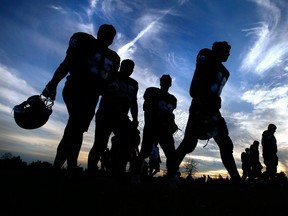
pixel 270 47
pixel 130 44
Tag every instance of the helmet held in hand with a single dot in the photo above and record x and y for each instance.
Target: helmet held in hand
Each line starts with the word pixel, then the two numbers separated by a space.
pixel 33 113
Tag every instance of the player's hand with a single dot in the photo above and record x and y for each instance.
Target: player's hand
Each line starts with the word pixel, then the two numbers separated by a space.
pixel 50 91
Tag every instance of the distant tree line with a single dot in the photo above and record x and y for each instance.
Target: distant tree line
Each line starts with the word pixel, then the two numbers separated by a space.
pixel 8 161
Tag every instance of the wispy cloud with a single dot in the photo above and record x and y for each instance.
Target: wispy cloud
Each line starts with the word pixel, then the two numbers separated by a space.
pixel 144 31
pixel 58 8
pixel 12 85
pixel 270 46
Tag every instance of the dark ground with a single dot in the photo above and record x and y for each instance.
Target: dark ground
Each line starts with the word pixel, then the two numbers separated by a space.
pixel 26 192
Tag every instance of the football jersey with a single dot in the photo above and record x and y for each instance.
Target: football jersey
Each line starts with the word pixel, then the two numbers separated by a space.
pixel 158 104
pixel 269 143
pixel 120 101
pixel 208 80
pixel 128 89
pixel 89 63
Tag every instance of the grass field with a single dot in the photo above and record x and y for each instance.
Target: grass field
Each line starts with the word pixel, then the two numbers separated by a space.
pixel 26 192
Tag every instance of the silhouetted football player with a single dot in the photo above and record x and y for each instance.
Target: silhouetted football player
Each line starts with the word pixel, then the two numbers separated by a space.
pixel 89 66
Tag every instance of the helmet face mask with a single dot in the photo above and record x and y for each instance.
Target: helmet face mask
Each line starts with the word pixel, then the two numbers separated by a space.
pixel 33 113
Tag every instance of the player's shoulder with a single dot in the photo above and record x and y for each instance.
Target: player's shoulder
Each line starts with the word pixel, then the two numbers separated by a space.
pixel 205 52
pixel 82 36
pixel 152 89
pixel 151 92
pixel 133 81
pixel 113 54
pixel 172 96
pixel 265 132
pixel 81 39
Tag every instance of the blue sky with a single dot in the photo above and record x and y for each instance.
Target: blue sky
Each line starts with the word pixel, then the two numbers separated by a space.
pixel 161 37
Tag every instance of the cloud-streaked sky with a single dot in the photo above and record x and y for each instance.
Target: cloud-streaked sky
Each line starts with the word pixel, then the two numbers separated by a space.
pixel 161 37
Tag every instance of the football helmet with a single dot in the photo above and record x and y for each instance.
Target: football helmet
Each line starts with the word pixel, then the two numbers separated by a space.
pixel 34 112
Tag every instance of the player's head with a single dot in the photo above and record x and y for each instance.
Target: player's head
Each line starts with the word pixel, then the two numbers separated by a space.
pixel 222 50
pixel 127 67
pixel 272 127
pixel 165 81
pixel 106 34
pixel 256 143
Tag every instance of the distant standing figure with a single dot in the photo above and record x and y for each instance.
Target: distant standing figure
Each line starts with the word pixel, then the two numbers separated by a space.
pixel 205 120
pixel 91 66
pixel 154 160
pixel 160 125
pixel 256 166
pixel 246 165
pixel 269 151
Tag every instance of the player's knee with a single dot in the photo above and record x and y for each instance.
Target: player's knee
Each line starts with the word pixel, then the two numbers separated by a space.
pixel 225 143
pixel 188 145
